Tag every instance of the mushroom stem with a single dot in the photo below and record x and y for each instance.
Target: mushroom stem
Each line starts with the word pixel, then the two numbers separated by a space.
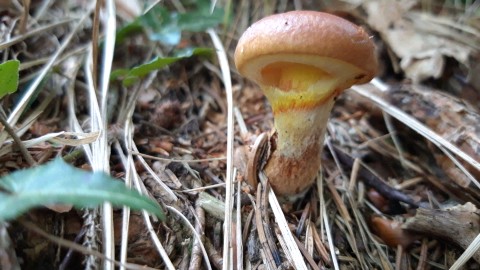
pixel 296 147
pixel 301 98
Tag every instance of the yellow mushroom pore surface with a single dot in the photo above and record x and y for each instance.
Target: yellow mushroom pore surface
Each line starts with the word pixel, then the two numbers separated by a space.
pixel 294 86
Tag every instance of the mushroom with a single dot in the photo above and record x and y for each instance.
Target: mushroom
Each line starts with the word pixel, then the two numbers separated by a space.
pixel 302 60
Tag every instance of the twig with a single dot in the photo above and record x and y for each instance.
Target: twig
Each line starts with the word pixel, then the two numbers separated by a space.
pixel 269 261
pixel 26 154
pixel 396 141
pixel 342 208
pixel 66 259
pixel 177 160
pixel 25 15
pixel 248 222
pixel 400 254
pixel 319 245
pixel 267 227
pixel 422 260
pixel 374 181
pixel 453 224
pixel 196 257
pixel 303 219
pixel 215 257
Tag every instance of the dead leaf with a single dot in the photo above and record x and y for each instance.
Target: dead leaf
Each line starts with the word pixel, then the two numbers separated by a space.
pixel 417 39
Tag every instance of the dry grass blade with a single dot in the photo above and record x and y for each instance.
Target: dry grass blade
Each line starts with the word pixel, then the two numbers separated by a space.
pixel 21 105
pixel 325 223
pixel 197 236
pixel 15 115
pixel 306 254
pixel 467 254
pixel 155 176
pixel 319 245
pixel 158 244
pixel 153 235
pixel 34 32
pixel 413 123
pixel 101 149
pixel 227 81
pixel 24 126
pixel 58 137
pixel 292 247
pixel 130 169
pixel 238 233
pixel 139 186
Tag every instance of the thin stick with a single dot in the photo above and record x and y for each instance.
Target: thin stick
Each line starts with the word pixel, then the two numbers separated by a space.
pixel 319 245
pixel 177 160
pixel 28 157
pixel 196 258
pixel 202 188
pixel 25 15
pixel 42 29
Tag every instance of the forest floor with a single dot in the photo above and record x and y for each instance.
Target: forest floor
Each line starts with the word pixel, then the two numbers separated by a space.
pixel 159 104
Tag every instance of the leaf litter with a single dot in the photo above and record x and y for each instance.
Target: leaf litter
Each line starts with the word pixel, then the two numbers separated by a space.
pixel 429 53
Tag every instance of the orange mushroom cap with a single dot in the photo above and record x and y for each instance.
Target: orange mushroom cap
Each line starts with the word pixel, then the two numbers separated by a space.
pixel 330 43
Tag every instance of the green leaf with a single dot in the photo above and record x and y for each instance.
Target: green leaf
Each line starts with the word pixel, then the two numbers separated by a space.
pixel 9 77
pixel 136 73
pixel 166 26
pixel 201 18
pixel 162 25
pixel 121 72
pixel 127 30
pixel 60 183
